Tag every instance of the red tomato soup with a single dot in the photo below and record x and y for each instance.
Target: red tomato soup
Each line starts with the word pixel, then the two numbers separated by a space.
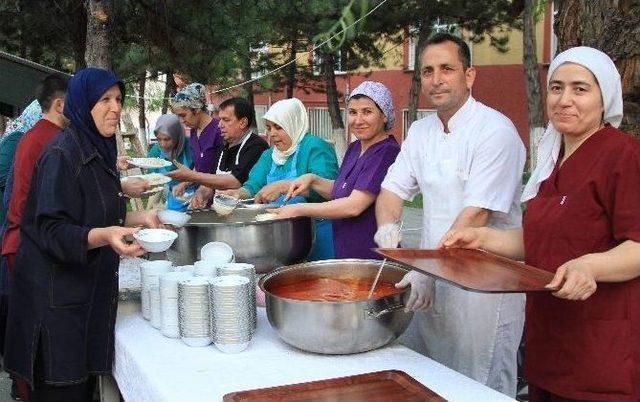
pixel 326 289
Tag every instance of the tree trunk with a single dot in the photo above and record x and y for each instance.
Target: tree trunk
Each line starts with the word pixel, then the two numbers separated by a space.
pixel 333 103
pixel 169 91
pixel 532 80
pixel 291 70
pixel 79 34
pixel 99 23
pixel 416 85
pixel 332 91
pixel 142 117
pixel 611 26
pixel 246 76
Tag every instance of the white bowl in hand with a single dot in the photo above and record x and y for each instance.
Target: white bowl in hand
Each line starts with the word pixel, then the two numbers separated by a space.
pixel 174 218
pixel 155 240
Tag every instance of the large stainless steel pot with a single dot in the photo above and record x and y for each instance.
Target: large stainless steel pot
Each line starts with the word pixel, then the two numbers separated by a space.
pixel 266 244
pixel 336 327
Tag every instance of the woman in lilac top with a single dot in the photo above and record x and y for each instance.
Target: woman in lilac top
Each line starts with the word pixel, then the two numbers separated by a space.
pixel 205 139
pixel 353 193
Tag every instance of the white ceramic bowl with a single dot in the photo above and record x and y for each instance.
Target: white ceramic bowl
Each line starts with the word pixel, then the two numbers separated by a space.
pixel 174 218
pixel 155 240
pixel 217 251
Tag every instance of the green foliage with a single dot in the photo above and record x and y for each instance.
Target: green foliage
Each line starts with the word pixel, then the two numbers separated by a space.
pixel 345 28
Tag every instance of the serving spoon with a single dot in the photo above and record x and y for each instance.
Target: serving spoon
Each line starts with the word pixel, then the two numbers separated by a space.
pixel 375 281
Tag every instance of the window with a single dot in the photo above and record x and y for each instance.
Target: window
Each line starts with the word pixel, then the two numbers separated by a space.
pixel 258 54
pixel 405 119
pixel 453 29
pixel 339 63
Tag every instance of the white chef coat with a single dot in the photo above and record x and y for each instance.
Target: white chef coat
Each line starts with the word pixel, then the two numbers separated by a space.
pixel 477 164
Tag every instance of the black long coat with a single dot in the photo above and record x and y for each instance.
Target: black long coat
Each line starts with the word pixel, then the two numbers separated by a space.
pixel 65 296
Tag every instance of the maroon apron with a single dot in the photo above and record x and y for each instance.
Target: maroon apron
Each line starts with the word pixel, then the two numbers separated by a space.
pixel 586 350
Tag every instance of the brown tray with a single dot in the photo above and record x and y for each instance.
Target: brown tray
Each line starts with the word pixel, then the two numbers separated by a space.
pixel 380 386
pixel 474 270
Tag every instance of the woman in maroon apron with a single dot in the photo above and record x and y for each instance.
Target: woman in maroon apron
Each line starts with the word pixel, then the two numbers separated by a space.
pixel 583 224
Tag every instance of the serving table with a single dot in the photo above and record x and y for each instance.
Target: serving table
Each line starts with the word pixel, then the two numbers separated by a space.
pixel 151 367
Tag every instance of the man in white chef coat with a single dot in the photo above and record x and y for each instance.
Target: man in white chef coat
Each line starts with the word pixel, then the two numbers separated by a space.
pixel 467 161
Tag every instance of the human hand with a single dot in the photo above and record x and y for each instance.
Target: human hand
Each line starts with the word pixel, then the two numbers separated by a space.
pixel 238 193
pixel 287 211
pixel 422 290
pixel 271 192
pixel 181 173
pixel 388 235
pixel 201 197
pixel 300 185
pixel 135 186
pixel 178 189
pixel 462 238
pixel 122 163
pixel 114 237
pixel 574 280
pixel 150 219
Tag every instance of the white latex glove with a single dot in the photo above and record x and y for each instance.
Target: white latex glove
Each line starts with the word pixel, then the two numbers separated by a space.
pixel 388 235
pixel 422 290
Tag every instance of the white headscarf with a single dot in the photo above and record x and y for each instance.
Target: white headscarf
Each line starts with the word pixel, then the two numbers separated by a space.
pixel 291 115
pixel 608 79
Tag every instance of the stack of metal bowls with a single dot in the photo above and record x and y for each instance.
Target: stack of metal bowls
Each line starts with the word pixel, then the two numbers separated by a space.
pixel 231 316
pixel 266 244
pixel 169 316
pixel 193 310
pixel 249 272
pixel 150 272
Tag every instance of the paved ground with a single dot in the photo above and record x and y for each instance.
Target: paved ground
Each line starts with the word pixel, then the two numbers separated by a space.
pixel 5 387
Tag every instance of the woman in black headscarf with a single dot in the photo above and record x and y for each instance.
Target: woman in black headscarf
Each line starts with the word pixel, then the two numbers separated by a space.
pixel 63 306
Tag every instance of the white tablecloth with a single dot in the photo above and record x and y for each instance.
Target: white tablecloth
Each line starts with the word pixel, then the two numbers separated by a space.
pixel 151 367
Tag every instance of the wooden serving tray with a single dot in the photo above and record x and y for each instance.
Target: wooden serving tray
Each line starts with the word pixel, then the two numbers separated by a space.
pixel 474 270
pixel 380 386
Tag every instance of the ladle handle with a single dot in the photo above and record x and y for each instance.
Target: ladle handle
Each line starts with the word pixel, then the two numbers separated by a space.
pixel 372 313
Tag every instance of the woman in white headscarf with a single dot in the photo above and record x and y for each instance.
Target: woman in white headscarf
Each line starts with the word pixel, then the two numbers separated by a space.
pixel 295 152
pixel 582 224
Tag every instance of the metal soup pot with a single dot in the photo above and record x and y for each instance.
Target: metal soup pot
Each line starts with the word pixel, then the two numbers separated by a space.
pixel 266 244
pixel 340 327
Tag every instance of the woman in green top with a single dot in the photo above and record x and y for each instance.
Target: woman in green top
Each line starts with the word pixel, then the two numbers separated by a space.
pixel 295 152
pixel 14 132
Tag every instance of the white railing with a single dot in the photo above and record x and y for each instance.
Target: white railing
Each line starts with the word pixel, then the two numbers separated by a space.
pixel 260 112
pixel 320 122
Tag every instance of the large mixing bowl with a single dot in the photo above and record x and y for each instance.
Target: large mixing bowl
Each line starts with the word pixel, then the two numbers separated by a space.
pixel 266 244
pixel 340 327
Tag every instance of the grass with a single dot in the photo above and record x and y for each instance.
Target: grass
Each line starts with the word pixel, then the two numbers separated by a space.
pixel 416 203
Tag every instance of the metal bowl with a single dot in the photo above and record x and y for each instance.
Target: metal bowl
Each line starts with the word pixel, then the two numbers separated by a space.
pixel 337 327
pixel 266 244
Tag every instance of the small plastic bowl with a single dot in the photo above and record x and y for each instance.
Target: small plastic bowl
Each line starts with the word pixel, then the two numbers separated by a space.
pixel 174 218
pixel 155 240
pixel 217 251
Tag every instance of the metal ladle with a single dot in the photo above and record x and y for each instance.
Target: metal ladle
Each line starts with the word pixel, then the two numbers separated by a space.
pixel 375 281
